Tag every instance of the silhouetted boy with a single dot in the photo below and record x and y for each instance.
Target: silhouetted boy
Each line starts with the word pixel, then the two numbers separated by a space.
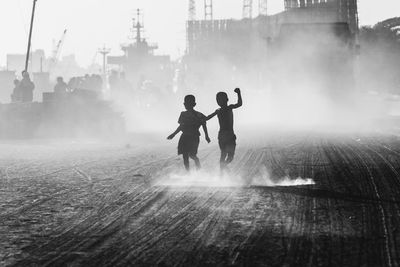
pixel 189 124
pixel 226 135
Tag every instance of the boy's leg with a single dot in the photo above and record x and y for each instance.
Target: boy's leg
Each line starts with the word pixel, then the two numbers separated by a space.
pixel 230 149
pixel 231 153
pixel 230 157
pixel 196 161
pixel 186 161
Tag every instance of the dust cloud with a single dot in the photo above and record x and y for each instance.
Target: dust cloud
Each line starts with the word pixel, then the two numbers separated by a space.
pixel 265 179
pixel 310 78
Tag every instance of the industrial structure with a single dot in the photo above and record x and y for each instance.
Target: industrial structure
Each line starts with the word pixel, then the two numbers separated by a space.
pixel 229 51
pixel 139 63
pixel 328 10
pixel 209 32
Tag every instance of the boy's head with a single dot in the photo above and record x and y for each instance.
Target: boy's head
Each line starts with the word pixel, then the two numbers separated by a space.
pixel 25 74
pixel 222 99
pixel 190 102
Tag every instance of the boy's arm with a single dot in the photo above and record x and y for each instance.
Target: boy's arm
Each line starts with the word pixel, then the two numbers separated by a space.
pixel 240 101
pixel 206 132
pixel 171 136
pixel 209 117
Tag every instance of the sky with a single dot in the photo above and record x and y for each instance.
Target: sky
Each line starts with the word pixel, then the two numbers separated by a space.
pixel 94 23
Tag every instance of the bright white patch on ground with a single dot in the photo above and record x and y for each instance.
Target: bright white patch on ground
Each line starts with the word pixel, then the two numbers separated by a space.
pixel 200 179
pixel 285 181
pixel 205 178
pixel 264 179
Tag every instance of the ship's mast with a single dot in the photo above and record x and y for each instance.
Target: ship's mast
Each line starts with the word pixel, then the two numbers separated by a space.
pixel 30 36
pixel 138 27
pixel 104 52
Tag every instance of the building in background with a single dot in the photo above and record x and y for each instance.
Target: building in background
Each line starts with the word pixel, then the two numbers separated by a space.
pixel 38 62
pixel 227 53
pixel 325 11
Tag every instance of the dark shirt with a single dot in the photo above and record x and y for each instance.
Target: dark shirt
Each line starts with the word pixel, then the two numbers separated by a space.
pixel 26 87
pixel 60 87
pixel 225 118
pixel 191 121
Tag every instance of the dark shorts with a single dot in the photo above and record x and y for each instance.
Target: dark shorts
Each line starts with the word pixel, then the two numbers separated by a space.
pixel 227 142
pixel 188 144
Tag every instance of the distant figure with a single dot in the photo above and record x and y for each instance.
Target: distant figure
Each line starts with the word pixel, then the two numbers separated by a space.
pixel 61 87
pixel 189 123
pixel 226 135
pixel 16 95
pixel 26 87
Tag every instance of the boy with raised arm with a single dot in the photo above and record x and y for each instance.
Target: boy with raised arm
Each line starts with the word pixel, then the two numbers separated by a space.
pixel 226 135
pixel 189 124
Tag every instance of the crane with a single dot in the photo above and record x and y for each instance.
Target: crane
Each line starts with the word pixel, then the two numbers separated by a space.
pixel 57 49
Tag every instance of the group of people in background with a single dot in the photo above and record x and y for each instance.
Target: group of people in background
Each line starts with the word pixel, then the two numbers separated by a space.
pixel 92 82
pixel 23 89
pixel 144 95
pixel 88 82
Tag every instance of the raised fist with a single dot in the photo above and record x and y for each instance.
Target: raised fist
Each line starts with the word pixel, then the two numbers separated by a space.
pixel 237 90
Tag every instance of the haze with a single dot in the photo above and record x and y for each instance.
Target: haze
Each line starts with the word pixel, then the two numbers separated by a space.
pixel 92 23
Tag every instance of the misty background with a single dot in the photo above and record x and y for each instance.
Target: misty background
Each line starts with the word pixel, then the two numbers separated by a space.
pixel 111 21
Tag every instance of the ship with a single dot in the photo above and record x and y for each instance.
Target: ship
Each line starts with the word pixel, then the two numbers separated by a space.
pixel 142 67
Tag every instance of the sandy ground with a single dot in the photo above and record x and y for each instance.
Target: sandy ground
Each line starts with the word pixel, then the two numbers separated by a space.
pixel 85 204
